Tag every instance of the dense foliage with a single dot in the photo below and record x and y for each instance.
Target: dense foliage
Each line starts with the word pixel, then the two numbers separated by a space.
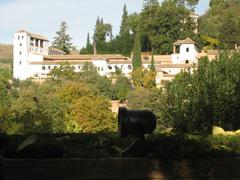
pixel 69 102
pixel 221 22
pixel 160 25
pixel 208 96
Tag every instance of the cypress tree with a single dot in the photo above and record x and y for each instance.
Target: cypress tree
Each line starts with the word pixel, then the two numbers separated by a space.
pixel 137 57
pixel 88 40
pixel 152 67
pixel 124 28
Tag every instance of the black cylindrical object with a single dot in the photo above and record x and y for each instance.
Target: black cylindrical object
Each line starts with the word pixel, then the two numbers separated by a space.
pixel 135 122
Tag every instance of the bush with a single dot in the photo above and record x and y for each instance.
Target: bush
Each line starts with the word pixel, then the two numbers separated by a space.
pixel 208 96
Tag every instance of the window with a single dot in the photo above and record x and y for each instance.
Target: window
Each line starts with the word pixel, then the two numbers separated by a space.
pixel 20 44
pixel 187 49
pixel 20 53
pixel 20 62
pixel 18 37
pixel 22 37
pixel 129 67
pixel 187 62
pixel 79 67
pixel 101 68
pixel 43 68
pixel 109 67
pixel 49 67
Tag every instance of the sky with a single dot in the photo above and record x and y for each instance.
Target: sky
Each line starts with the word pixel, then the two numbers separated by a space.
pixel 45 16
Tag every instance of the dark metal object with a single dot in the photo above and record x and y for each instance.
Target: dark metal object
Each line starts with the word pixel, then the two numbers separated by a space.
pixel 135 123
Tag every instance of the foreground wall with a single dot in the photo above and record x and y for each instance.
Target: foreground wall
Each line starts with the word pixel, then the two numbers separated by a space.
pixel 139 169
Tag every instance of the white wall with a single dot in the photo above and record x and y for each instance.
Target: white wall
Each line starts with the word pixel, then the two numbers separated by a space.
pixel 20 56
pixel 190 55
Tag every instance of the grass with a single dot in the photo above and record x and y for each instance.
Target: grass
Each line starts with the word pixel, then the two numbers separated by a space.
pixel 102 145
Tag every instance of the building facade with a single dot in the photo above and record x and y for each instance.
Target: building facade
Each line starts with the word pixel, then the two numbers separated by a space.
pixel 33 58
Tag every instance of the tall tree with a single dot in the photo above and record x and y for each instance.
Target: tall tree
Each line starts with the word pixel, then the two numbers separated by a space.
pixel 165 24
pixel 137 57
pixel 222 22
pixel 148 21
pixel 124 27
pixel 89 47
pixel 123 43
pixel 152 67
pixel 101 33
pixel 63 41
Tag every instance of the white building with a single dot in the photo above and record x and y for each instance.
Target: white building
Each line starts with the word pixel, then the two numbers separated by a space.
pixel 185 52
pixel 34 59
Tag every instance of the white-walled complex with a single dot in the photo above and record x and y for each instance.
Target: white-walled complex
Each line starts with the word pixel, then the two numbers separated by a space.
pixel 34 59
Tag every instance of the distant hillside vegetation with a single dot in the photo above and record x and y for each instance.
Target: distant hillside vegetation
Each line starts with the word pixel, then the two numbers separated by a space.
pixel 6 51
pixel 6 59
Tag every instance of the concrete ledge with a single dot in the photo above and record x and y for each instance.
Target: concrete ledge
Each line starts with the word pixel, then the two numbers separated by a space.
pixel 120 168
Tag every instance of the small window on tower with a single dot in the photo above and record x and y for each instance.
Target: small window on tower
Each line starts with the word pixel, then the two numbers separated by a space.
pixel 187 49
pixel 22 37
pixel 43 68
pixel 20 44
pixel 20 62
pixel 18 37
pixel 20 53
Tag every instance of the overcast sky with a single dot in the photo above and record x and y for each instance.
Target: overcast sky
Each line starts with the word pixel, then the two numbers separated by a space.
pixel 45 16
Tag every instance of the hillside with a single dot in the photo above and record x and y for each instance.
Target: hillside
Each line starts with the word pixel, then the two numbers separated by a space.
pixel 6 51
pixel 6 59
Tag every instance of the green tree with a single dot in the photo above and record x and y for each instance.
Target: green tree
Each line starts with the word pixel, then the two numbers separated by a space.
pixel 101 32
pixel 150 99
pixel 36 110
pixel 89 47
pixel 149 25
pixel 137 53
pixel 64 72
pixel 144 78
pixel 222 21
pixel 123 43
pixel 92 114
pixel 121 88
pixel 152 66
pixel 166 24
pixel 214 3
pixel 209 96
pixel 124 27
pixel 63 41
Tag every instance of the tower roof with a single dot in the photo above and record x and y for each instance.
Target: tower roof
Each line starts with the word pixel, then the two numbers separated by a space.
pixel 185 41
pixel 33 35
